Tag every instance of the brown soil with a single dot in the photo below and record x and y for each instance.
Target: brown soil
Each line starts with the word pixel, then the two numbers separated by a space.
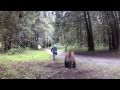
pixel 52 70
pixel 58 71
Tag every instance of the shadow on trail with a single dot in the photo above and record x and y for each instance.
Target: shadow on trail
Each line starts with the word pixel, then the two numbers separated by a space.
pixel 106 54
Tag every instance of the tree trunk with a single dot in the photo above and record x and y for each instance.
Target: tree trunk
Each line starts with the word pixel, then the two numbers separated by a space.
pixel 114 29
pixel 77 34
pixel 89 31
pixel 119 29
pixel 106 18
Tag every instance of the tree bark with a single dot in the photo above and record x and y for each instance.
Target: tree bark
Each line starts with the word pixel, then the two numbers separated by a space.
pixel 89 31
pixel 119 30
pixel 78 34
pixel 114 29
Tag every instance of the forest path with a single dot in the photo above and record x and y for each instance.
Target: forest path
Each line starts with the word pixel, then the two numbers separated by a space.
pixel 97 60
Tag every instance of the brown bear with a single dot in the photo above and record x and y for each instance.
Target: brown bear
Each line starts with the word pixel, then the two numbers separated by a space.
pixel 70 60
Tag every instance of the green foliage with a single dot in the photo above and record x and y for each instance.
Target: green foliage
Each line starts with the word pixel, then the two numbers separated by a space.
pixel 59 46
pixel 14 51
pixel 0 45
pixel 30 27
pixel 74 48
pixel 66 26
pixel 101 47
pixel 77 48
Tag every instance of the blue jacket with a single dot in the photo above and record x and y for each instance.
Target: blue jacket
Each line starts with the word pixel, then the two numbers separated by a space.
pixel 54 49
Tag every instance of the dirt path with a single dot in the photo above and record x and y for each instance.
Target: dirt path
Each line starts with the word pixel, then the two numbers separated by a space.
pixel 87 68
pixel 97 60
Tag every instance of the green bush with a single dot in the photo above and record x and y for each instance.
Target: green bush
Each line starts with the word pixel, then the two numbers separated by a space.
pixel 76 48
pixel 0 44
pixel 16 51
pixel 101 47
pixel 59 46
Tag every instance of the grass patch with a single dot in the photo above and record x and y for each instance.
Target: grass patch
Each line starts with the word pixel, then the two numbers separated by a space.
pixel 21 70
pixel 100 48
pixel 29 55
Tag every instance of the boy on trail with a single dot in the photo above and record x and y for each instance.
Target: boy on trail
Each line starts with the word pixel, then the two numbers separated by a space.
pixel 54 50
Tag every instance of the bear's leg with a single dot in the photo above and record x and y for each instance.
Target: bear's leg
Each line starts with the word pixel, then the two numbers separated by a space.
pixel 74 65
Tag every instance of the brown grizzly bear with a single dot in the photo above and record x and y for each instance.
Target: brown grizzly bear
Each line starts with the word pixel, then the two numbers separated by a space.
pixel 70 60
